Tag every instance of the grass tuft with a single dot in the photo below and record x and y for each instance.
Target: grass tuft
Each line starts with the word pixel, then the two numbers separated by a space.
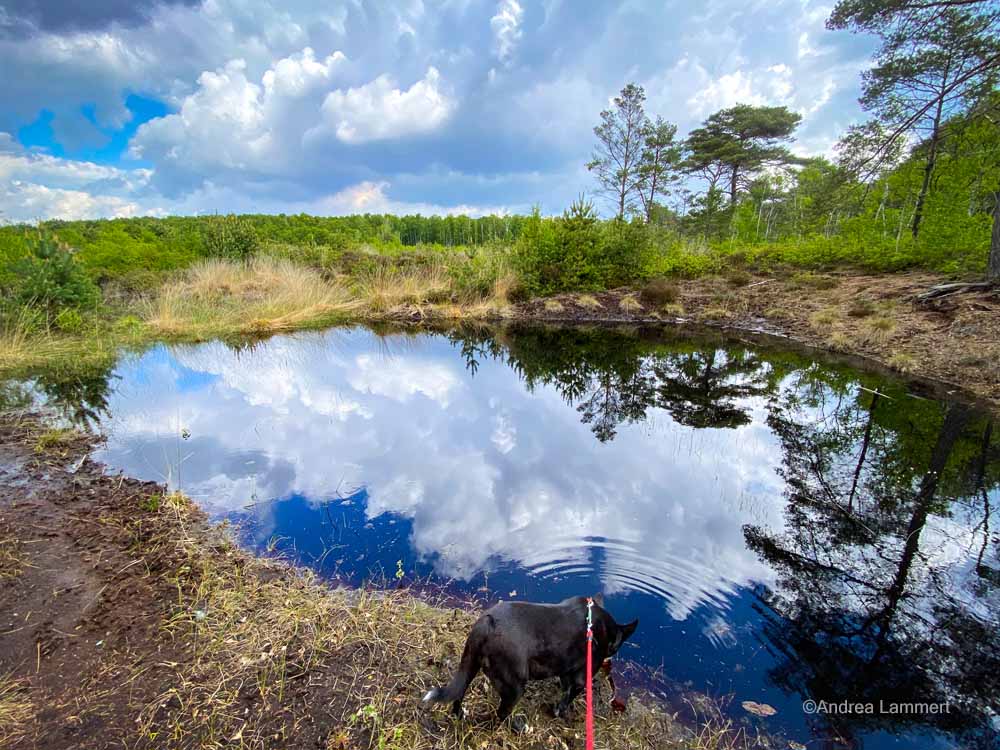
pixel 902 362
pixel 16 710
pixel 813 280
pixel 630 305
pixel 660 292
pixel 822 319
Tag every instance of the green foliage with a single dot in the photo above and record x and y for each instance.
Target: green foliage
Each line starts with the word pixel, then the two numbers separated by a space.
pixel 69 320
pixel 578 252
pixel 50 277
pixel 735 142
pixel 232 237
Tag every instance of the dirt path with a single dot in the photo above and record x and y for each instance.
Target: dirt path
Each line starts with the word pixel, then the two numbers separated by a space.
pixel 955 341
pixel 128 622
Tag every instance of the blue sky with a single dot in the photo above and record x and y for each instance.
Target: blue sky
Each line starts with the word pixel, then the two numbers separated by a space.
pixel 123 109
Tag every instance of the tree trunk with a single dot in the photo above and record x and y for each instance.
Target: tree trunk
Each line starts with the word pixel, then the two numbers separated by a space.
pixel 918 210
pixel 733 181
pixel 993 266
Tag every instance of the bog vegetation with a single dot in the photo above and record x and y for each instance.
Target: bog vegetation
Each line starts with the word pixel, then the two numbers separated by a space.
pixel 916 186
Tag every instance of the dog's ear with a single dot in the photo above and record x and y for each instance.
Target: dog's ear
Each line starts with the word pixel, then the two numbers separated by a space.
pixel 627 630
pixel 598 599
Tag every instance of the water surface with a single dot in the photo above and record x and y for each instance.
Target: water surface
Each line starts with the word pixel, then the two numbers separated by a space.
pixel 785 529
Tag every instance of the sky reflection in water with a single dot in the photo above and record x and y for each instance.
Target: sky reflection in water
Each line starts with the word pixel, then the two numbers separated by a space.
pixel 750 507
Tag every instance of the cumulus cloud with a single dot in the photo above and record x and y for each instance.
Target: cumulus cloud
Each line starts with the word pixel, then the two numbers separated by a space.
pixel 37 186
pixel 28 202
pixel 293 104
pixel 379 110
pixel 506 26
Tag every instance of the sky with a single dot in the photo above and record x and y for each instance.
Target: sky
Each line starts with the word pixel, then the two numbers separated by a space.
pixel 117 108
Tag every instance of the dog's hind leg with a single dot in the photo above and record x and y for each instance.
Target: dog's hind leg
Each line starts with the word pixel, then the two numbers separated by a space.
pixel 510 694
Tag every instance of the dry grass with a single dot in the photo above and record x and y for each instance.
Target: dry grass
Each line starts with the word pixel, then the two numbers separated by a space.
pixel 553 306
pixel 11 562
pixel 715 313
pixel 630 304
pixel 880 328
pixel 823 319
pixel 811 280
pixel 840 341
pixel 388 289
pixel 262 296
pixel 16 710
pixel 588 302
pixel 676 309
pixel 902 362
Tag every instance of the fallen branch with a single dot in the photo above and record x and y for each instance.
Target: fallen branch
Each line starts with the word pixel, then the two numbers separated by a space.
pixel 947 290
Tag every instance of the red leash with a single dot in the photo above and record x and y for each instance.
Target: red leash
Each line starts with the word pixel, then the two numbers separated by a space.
pixel 590 676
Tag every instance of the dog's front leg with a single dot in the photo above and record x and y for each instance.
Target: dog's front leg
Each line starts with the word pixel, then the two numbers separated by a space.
pixel 572 685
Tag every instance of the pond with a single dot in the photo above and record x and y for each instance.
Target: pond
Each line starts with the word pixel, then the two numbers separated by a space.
pixel 786 529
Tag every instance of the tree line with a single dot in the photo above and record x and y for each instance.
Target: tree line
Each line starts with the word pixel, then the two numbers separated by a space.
pixel 929 152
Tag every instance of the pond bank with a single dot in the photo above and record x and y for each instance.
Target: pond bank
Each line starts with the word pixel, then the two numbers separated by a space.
pixel 128 618
pixel 954 341
pixel 874 316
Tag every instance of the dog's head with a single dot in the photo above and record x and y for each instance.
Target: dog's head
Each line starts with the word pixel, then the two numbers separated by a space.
pixel 621 634
pixel 618 634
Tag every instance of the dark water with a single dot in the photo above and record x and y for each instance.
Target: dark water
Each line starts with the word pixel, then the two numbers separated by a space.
pixel 785 530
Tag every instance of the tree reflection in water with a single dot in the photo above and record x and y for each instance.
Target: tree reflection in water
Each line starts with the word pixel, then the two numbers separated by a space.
pixel 889 576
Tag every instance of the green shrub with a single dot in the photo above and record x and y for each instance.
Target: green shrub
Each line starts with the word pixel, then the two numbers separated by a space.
pixel 51 278
pixel 232 237
pixel 578 252
pixel 659 292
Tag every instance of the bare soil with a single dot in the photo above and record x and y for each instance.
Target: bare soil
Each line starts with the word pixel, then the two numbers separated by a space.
pixel 955 341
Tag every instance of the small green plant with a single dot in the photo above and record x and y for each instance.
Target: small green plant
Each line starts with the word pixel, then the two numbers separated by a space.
pixel 231 237
pixel 151 503
pixel 69 320
pixel 399 570
pixel 54 441
pixel 50 278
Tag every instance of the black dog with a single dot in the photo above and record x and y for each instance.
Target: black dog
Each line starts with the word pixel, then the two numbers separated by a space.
pixel 514 642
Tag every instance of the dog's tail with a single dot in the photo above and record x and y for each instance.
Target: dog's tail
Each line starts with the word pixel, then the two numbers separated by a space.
pixel 468 668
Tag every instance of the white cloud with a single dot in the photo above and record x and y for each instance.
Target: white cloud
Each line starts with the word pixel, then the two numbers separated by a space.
pixel 772 86
pixel 292 104
pixel 506 26
pixel 379 110
pixel 35 186
pixel 28 202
